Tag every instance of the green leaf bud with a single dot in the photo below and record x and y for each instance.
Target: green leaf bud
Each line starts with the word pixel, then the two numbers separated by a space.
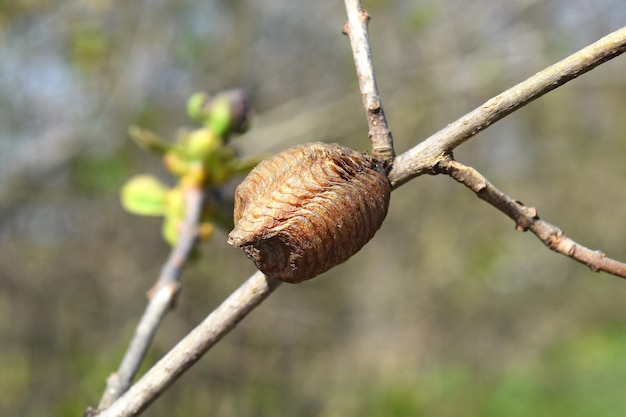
pixel 230 112
pixel 226 113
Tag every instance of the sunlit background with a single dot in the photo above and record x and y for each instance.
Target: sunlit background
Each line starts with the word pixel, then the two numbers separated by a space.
pixel 447 312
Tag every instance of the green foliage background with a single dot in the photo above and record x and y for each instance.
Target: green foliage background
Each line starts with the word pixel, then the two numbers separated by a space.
pixel 447 312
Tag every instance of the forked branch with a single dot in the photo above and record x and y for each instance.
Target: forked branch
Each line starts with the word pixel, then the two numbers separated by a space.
pixel 431 156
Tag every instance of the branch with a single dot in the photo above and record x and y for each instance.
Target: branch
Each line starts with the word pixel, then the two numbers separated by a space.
pixel 422 158
pixel 162 297
pixel 431 156
pixel 526 218
pixel 356 29
pixel 189 350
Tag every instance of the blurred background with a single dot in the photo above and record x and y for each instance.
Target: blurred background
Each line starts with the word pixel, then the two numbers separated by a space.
pixel 447 312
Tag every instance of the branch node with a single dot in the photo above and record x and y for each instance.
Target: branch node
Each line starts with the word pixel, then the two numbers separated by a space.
pixel 375 109
pixel 520 228
pixel 346 28
pixel 91 412
pixel 364 16
pixel 112 379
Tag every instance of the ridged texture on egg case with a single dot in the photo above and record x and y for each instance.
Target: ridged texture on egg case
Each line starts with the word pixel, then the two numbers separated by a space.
pixel 309 208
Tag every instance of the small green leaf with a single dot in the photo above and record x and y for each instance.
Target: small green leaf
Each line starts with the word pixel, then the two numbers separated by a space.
pixel 144 195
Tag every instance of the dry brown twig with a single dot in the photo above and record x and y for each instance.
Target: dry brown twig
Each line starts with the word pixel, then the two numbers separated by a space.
pixel 526 218
pixel 432 156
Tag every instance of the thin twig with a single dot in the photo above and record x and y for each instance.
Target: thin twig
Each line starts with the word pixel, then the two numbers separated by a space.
pixel 422 158
pixel 526 218
pixel 162 297
pixel 356 29
pixel 189 350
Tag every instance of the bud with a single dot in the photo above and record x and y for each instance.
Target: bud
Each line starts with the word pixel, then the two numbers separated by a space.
pixel 226 113
pixel 202 145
